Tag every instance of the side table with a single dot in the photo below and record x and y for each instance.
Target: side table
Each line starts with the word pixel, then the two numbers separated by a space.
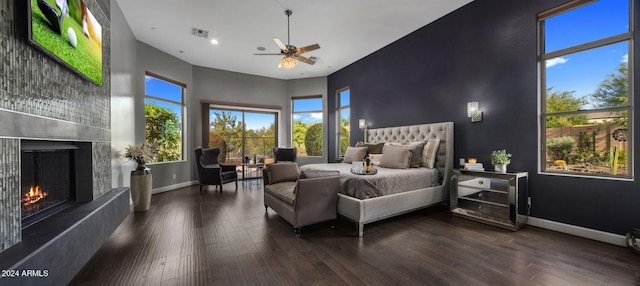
pixel 499 199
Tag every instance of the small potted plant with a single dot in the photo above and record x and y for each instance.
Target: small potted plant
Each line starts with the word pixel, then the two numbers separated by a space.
pixel 141 154
pixel 500 159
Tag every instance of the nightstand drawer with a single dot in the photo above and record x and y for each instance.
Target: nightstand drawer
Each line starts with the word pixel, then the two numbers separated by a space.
pixel 484 209
pixel 490 197
pixel 476 182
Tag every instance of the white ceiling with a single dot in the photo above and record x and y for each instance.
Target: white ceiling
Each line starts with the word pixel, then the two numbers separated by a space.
pixel 345 30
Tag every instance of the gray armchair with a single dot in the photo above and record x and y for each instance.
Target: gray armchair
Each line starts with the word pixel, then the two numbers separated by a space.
pixel 210 172
pixel 285 154
pixel 301 199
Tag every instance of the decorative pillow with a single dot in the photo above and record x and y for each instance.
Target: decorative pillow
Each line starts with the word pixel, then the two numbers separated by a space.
pixel 372 148
pixel 375 159
pixel 282 172
pixel 430 152
pixel 396 157
pixel 354 154
pixel 416 151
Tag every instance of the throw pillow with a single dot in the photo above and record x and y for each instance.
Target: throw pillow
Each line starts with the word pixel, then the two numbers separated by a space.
pixel 396 157
pixel 430 153
pixel 372 148
pixel 282 172
pixel 354 154
pixel 416 151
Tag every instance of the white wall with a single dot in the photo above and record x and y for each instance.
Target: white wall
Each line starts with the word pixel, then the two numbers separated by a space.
pixel 150 59
pixel 123 77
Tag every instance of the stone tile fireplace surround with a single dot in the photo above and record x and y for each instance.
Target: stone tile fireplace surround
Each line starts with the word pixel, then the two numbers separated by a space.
pixel 41 99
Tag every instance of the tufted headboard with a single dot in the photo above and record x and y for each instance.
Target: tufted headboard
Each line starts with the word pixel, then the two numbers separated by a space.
pixel 421 132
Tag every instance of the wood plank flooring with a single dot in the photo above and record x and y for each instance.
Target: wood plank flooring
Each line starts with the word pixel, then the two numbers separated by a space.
pixel 226 238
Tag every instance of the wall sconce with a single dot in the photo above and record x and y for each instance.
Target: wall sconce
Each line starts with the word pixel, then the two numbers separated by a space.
pixel 474 112
pixel 362 124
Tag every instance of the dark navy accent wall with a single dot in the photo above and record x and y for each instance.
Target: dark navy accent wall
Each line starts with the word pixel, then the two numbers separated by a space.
pixel 485 51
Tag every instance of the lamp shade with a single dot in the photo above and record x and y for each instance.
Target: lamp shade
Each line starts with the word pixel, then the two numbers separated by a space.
pixel 362 124
pixel 472 108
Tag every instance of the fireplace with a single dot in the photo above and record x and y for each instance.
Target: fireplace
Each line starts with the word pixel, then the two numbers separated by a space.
pixel 49 178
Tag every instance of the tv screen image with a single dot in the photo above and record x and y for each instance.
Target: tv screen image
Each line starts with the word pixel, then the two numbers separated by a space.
pixel 67 31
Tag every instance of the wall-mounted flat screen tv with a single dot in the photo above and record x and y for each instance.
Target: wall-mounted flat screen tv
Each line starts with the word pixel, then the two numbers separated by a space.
pixel 67 31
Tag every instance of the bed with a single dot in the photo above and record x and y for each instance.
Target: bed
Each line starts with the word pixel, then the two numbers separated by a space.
pixel 363 209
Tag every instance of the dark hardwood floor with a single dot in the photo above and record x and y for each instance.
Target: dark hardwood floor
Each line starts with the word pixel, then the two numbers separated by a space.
pixel 211 238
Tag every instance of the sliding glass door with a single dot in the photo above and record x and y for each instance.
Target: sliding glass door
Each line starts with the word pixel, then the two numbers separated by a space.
pixel 243 135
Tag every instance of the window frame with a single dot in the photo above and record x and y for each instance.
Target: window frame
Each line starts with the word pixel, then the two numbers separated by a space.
pixel 339 110
pixel 591 45
pixel 293 113
pixel 243 109
pixel 183 109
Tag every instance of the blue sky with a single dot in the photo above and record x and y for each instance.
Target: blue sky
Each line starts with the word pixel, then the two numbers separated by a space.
pixel 165 90
pixel 582 72
pixel 254 120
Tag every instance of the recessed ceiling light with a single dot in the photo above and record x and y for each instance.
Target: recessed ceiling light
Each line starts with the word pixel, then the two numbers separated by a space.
pixel 214 42
pixel 262 49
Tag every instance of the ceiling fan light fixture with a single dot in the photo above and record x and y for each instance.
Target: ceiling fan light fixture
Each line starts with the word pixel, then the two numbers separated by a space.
pixel 288 62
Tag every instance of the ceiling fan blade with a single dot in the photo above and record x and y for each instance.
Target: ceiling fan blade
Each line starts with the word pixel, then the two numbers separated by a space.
pixel 307 49
pixel 303 59
pixel 269 54
pixel 280 44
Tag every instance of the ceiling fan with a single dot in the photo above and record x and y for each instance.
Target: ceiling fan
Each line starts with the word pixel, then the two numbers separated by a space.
pixel 291 53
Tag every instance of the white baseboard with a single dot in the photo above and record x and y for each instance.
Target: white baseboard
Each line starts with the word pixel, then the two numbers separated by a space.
pixel 598 235
pixel 173 187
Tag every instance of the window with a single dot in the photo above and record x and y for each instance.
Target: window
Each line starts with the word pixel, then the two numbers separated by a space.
pixel 344 120
pixel 243 133
pixel 164 105
pixel 586 110
pixel 307 125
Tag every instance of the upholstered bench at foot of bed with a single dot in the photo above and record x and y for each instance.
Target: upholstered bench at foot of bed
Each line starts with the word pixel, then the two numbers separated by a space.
pixel 302 200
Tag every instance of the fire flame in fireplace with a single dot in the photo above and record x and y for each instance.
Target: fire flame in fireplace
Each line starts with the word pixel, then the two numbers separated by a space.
pixel 34 195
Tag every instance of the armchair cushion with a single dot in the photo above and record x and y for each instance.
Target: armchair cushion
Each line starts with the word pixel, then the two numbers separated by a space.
pixel 283 191
pixel 228 175
pixel 282 172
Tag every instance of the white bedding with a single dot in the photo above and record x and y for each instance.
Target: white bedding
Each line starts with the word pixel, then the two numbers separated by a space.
pixel 385 182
